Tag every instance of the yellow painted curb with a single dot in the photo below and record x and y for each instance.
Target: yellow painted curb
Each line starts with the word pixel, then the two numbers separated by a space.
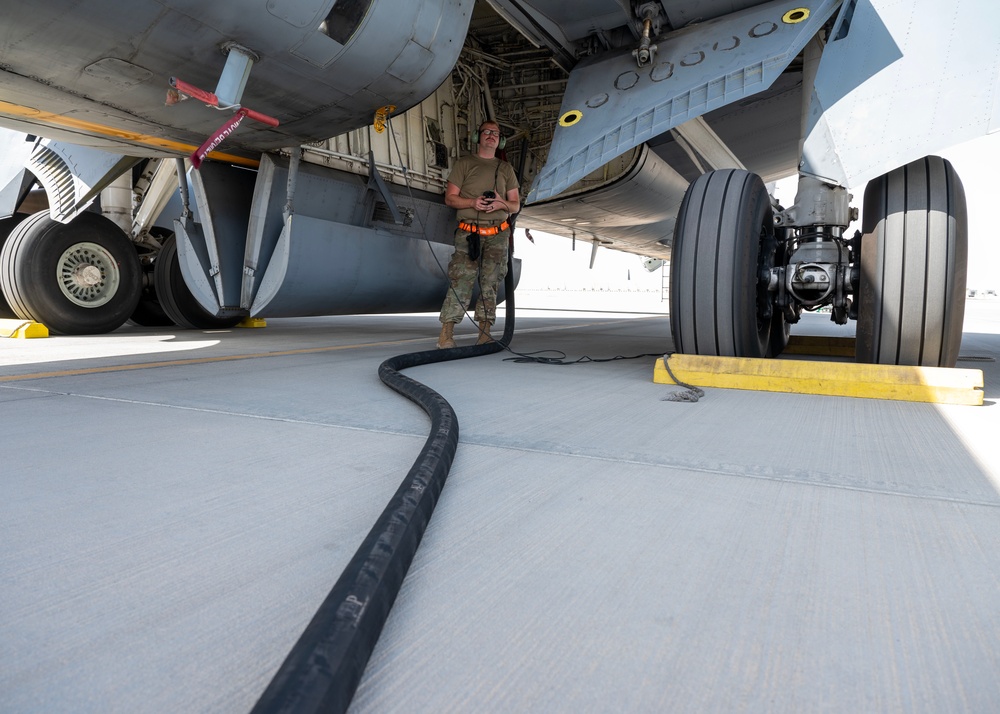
pixel 823 346
pixel 22 329
pixel 252 322
pixel 870 381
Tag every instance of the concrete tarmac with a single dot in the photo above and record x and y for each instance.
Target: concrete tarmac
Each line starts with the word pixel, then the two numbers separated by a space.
pixel 175 505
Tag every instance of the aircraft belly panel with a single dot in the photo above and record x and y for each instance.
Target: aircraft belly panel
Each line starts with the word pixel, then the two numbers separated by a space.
pixel 327 268
pixel 319 192
pixel 336 252
pixel 897 87
pixel 322 267
pixel 611 105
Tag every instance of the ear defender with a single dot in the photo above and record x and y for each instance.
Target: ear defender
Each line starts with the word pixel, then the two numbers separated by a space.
pixel 502 144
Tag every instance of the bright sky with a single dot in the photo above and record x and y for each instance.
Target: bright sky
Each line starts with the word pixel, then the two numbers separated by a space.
pixel 977 163
pixel 550 263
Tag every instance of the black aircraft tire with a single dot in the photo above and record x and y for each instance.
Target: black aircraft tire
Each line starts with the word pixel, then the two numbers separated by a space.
pixel 6 226
pixel 723 228
pixel 176 299
pixel 149 312
pixel 80 278
pixel 914 261
pixel 781 333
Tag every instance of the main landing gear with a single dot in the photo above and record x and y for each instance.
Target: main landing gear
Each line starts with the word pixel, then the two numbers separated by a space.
pixel 743 271
pixel 86 277
pixel 77 278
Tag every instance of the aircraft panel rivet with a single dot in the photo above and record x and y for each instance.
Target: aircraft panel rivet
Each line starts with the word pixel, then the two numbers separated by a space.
pixel 793 17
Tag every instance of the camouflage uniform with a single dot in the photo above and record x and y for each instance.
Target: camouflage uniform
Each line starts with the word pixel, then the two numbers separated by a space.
pixel 474 175
pixel 462 274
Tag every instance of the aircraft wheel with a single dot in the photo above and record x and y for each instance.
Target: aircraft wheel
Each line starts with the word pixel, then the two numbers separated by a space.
pixel 781 333
pixel 6 226
pixel 176 299
pixel 723 240
pixel 781 328
pixel 914 259
pixel 149 312
pixel 79 278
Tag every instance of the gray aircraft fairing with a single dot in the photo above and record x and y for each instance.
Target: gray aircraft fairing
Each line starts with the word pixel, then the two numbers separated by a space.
pixel 95 74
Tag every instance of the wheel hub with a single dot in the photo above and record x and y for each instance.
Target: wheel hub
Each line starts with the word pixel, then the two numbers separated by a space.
pixel 88 275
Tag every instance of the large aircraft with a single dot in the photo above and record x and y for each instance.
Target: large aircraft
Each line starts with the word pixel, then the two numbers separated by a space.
pixel 185 153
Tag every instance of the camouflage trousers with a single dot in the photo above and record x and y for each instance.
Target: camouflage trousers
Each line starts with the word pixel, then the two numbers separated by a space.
pixel 491 268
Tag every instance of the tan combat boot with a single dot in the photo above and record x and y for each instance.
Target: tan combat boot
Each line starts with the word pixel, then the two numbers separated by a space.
pixel 447 337
pixel 484 333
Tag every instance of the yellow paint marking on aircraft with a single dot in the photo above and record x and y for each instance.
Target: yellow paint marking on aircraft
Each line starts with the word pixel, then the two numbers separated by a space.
pixel 940 385
pixel 16 110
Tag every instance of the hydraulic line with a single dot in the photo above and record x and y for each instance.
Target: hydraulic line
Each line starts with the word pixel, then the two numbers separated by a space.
pixel 324 668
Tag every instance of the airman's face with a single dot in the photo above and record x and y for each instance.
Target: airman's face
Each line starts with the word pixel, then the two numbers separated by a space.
pixel 489 136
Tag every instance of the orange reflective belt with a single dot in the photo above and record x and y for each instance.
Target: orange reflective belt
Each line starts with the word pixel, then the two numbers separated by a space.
pixel 483 230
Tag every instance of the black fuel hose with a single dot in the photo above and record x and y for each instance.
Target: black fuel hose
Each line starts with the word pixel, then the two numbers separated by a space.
pixel 324 668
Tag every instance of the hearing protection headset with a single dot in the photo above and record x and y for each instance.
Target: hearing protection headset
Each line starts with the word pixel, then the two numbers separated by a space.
pixel 503 139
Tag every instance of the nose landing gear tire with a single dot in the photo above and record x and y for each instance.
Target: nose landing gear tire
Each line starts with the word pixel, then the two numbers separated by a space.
pixel 723 241
pixel 914 259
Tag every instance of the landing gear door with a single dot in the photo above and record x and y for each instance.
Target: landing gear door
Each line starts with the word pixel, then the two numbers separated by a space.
pixel 14 179
pixel 211 251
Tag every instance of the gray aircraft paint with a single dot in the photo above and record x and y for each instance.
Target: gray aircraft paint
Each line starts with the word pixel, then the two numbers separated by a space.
pixel 906 80
pixel 695 70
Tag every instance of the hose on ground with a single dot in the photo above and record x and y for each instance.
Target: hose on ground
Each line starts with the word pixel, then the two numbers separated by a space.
pixel 323 669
